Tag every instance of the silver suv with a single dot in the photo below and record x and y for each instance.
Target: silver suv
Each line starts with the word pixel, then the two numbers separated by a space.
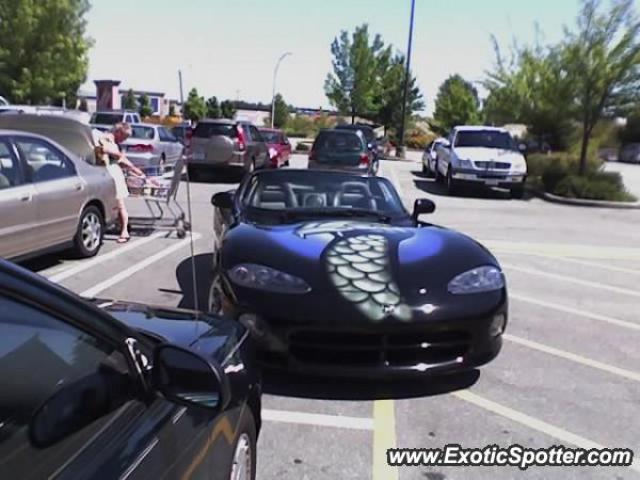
pixel 223 143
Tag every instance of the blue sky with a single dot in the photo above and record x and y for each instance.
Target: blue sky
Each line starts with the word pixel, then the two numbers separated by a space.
pixel 228 48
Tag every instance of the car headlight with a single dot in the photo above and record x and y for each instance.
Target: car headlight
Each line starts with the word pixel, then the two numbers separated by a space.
pixel 266 278
pixel 273 153
pixel 477 280
pixel 519 167
pixel 465 164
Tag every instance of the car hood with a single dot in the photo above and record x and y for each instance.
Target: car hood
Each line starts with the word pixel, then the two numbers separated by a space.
pixel 187 328
pixel 359 264
pixel 482 154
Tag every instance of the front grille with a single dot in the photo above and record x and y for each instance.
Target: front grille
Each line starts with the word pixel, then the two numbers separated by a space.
pixel 355 349
pixel 496 165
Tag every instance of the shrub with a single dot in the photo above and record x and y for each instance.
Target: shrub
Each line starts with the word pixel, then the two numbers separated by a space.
pixel 418 139
pixel 303 147
pixel 595 186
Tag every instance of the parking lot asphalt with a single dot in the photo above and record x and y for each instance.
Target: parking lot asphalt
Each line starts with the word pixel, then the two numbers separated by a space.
pixel 569 372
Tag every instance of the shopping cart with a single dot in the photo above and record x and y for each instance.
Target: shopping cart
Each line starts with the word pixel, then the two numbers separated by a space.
pixel 159 194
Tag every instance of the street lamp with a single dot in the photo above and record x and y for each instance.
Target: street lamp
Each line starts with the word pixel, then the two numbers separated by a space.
pixel 400 149
pixel 273 94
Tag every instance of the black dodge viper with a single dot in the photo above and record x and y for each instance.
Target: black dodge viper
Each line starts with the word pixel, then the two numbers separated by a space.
pixel 334 276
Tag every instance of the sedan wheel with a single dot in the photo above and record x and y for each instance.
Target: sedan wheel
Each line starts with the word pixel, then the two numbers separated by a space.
pixel 242 466
pixel 88 238
pixel 452 188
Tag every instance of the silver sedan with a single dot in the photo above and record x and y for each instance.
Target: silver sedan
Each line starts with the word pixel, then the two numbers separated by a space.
pixel 51 197
pixel 152 146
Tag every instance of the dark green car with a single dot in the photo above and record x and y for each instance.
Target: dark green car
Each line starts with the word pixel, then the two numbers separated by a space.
pixel 342 150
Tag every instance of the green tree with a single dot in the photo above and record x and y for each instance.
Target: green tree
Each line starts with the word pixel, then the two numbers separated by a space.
pixel 602 60
pixel 457 103
pixel 228 109
pixel 213 108
pixel 195 107
pixel 281 112
pixel 354 87
pixel 144 108
pixel 43 49
pixel 532 88
pixel 130 102
pixel 391 94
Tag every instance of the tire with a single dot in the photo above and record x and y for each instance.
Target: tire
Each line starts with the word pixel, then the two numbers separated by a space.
pixel 424 169
pixel 90 233
pixel 243 462
pixel 193 173
pixel 452 186
pixel 517 192
pixel 437 174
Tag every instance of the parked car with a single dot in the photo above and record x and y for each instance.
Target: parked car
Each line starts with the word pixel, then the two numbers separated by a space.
pixel 152 146
pixel 376 147
pixel 221 143
pixel 630 153
pixel 430 157
pixel 114 390
pixel 342 149
pixel 51 197
pixel 105 120
pixel 333 276
pixel 279 147
pixel 481 156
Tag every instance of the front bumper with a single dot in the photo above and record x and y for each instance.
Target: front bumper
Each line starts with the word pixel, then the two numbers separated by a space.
pixel 490 178
pixel 388 350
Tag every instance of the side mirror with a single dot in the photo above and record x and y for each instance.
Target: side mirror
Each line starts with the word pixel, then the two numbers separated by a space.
pixel 186 378
pixel 446 144
pixel 223 200
pixel 522 147
pixel 422 206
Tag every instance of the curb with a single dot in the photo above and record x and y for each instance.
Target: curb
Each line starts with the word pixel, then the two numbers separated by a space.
pixel 587 203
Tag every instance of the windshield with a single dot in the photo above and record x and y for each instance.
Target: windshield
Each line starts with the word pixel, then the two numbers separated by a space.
pixel 485 138
pixel 338 141
pixel 146 133
pixel 270 136
pixel 297 191
pixel 106 118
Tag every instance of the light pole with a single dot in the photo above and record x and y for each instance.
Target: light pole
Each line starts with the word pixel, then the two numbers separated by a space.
pixel 400 149
pixel 273 94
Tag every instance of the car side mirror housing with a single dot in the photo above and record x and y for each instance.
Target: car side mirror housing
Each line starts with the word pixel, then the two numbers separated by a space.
pixel 446 144
pixel 186 378
pixel 522 148
pixel 422 206
pixel 223 200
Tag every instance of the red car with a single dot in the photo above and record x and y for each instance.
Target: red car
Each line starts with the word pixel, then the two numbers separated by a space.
pixel 279 146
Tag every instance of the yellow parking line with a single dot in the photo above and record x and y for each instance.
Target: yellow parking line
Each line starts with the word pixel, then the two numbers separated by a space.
pixel 384 437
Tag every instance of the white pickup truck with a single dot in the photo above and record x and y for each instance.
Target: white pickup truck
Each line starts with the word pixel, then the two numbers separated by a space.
pixel 481 156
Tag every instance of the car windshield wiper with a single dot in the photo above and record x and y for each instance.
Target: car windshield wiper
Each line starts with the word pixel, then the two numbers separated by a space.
pixel 334 212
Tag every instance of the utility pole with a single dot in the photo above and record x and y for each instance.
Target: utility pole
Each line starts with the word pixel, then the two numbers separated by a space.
pixel 400 150
pixel 273 94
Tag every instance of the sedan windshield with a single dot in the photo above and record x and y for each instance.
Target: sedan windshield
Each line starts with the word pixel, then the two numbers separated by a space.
pixel 485 138
pixel 315 193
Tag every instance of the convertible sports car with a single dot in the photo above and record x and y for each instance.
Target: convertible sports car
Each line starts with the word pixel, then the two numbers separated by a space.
pixel 333 276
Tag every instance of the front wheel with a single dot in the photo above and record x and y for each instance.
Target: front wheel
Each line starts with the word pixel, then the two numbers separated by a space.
pixel 88 238
pixel 517 192
pixel 452 186
pixel 243 466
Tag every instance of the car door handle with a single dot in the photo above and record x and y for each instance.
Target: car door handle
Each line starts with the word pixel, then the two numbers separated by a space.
pixel 79 187
pixel 26 197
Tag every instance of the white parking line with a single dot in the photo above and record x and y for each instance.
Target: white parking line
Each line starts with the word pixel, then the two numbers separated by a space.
pixel 137 267
pixel 533 423
pixel 573 357
pixel 317 419
pixel 577 281
pixel 575 311
pixel 82 266
pixel 575 261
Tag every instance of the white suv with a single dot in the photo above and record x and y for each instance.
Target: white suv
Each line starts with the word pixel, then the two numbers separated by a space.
pixel 479 155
